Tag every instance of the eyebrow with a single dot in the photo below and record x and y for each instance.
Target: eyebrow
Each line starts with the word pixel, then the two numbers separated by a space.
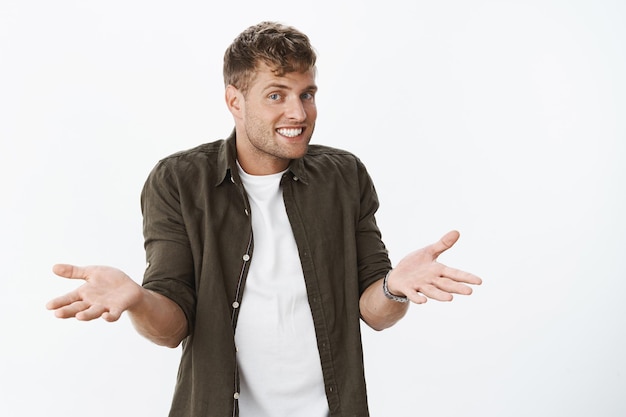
pixel 311 87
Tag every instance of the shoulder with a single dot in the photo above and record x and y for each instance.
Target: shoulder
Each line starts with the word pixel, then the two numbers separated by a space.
pixel 325 165
pixel 199 163
pixel 201 157
pixel 327 154
pixel 318 150
pixel 327 157
pixel 201 152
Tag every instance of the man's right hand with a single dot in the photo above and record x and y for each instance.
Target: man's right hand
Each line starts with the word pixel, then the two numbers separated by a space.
pixel 107 293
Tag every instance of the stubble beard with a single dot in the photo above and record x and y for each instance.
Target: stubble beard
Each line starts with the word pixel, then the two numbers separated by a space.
pixel 265 142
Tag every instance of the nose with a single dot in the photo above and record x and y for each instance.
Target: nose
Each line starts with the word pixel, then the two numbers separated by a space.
pixel 295 110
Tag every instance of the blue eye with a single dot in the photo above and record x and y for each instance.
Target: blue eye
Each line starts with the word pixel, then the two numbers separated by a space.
pixel 274 96
pixel 308 96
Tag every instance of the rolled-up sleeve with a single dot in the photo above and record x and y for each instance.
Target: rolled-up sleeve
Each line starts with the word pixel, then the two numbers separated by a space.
pixel 373 259
pixel 169 259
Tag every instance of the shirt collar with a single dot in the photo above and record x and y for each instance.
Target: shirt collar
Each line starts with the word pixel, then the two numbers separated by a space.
pixel 227 159
pixel 227 163
pixel 298 170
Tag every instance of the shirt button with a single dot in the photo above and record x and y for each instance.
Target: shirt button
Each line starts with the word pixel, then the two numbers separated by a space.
pixel 236 396
pixel 232 179
pixel 246 257
pixel 235 304
pixel 295 178
pixel 247 214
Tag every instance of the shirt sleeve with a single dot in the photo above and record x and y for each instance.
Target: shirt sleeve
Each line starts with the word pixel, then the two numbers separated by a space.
pixel 169 268
pixel 373 257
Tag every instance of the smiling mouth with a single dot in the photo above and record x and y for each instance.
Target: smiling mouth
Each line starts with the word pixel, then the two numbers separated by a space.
pixel 290 133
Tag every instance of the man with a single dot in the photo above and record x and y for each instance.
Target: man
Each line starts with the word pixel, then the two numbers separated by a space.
pixel 263 254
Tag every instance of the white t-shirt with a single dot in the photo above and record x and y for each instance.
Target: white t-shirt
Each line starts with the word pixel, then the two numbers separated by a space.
pixel 279 363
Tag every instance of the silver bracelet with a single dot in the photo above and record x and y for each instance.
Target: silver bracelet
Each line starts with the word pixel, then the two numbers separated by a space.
pixel 389 294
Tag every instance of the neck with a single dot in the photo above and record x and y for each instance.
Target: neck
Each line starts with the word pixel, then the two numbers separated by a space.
pixel 256 162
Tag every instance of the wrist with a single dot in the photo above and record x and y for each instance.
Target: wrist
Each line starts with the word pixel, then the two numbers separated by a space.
pixel 389 294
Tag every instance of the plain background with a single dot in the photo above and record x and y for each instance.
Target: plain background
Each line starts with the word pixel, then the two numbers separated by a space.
pixel 502 119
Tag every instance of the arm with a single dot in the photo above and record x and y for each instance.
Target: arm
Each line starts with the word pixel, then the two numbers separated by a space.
pixel 418 277
pixel 378 311
pixel 108 292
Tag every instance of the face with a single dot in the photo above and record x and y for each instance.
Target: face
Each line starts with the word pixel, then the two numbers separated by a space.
pixel 274 120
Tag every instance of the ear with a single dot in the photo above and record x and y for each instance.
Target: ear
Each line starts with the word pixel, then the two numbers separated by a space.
pixel 234 100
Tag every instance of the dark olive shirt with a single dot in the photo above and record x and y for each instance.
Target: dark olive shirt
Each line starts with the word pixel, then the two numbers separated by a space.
pixel 199 243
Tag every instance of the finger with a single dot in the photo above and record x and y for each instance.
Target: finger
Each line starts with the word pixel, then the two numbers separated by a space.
pixel 445 243
pixel 70 271
pixel 460 276
pixel 71 310
pixel 435 293
pixel 451 286
pixel 112 315
pixel 64 300
pixel 91 313
pixel 416 297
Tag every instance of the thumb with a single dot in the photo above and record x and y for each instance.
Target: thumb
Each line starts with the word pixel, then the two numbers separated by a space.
pixel 70 271
pixel 445 243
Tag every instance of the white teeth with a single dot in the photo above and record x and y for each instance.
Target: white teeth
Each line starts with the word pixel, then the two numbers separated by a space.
pixel 290 133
